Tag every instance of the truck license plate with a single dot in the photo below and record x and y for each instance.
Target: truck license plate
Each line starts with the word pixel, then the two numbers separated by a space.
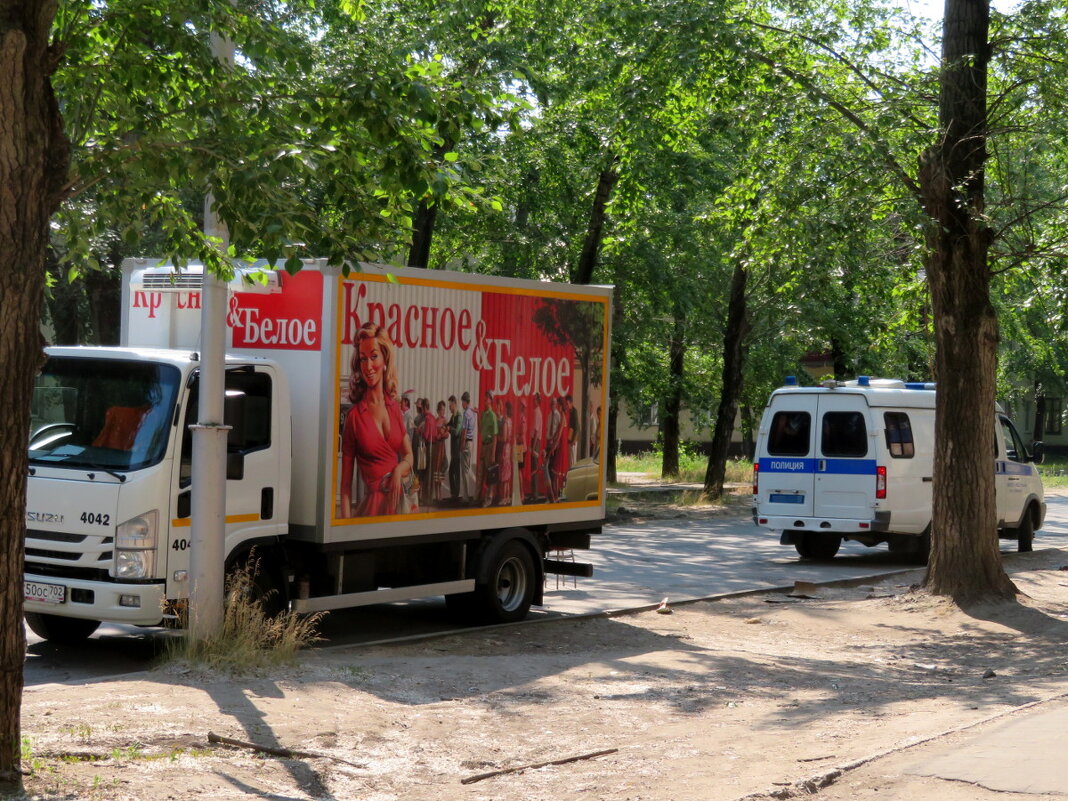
pixel 44 593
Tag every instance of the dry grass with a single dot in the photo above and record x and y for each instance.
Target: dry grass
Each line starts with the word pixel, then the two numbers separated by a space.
pixel 249 638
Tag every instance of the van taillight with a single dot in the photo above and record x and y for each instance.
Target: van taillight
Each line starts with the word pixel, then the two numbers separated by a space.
pixel 880 482
pixel 756 478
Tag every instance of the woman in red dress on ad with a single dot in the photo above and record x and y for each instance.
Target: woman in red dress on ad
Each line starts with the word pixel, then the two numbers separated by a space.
pixel 561 461
pixel 374 437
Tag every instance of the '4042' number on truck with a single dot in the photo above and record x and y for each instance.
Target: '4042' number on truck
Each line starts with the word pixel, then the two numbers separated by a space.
pixel 95 519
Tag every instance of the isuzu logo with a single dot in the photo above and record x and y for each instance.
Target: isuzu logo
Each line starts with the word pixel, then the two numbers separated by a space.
pixel 43 517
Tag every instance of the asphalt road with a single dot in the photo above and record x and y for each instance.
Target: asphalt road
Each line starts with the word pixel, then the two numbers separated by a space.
pixel 635 565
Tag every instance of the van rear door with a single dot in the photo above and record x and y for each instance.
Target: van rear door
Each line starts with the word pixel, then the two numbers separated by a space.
pixel 845 465
pixel 787 463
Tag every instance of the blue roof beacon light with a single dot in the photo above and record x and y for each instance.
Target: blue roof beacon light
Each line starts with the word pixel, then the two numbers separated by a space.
pixel 919 385
pixel 863 381
pixel 791 381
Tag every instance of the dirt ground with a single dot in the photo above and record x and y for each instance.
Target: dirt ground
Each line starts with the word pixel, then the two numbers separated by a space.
pixel 717 700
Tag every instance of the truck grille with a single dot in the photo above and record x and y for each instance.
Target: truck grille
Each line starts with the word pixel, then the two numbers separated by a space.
pixel 55 536
pixel 66 554
pixel 62 571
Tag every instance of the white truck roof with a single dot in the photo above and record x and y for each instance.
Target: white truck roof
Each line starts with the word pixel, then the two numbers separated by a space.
pixel 179 357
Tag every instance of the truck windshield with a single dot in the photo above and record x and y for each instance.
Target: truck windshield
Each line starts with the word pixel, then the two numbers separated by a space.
pixel 102 414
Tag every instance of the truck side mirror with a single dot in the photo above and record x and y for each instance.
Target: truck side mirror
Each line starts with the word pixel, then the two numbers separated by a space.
pixel 1038 452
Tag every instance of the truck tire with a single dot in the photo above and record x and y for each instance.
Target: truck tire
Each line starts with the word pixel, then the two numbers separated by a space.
pixel 822 547
pixel 61 630
pixel 506 595
pixel 265 585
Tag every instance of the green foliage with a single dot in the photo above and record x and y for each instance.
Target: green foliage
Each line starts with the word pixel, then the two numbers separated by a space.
pixel 1054 471
pixel 692 466
pixel 776 136
pixel 316 140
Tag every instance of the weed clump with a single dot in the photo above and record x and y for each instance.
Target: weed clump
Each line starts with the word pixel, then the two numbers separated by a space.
pixel 250 638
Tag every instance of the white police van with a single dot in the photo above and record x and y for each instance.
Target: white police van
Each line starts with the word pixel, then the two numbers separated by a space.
pixel 854 460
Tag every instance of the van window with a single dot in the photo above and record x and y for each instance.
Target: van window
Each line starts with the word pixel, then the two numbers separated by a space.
pixel 1014 448
pixel 899 435
pixel 789 434
pixel 844 434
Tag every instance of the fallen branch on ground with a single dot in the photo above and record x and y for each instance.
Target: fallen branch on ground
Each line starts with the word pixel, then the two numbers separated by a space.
pixel 503 771
pixel 285 753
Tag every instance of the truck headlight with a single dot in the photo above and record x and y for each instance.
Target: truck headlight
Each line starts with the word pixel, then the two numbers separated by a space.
pixel 135 546
pixel 134 564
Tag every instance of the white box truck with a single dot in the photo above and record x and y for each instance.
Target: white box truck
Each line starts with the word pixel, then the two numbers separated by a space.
pixel 854 460
pixel 395 434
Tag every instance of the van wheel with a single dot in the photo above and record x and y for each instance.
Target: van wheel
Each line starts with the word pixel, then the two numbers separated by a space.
pixel 1025 534
pixel 61 630
pixel 818 546
pixel 922 554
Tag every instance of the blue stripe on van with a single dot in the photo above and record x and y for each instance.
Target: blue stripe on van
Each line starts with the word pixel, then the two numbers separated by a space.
pixel 846 467
pixel 850 467
pixel 1011 469
pixel 782 464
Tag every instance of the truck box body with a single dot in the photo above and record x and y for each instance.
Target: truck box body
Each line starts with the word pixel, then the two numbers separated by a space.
pixel 452 333
pixel 293 373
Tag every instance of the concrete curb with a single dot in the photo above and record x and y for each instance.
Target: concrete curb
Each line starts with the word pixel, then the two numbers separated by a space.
pixel 811 785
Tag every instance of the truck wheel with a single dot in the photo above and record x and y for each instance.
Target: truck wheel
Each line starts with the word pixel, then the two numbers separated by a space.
pixel 507 594
pixel 1025 534
pixel 61 630
pixel 264 584
pixel 818 546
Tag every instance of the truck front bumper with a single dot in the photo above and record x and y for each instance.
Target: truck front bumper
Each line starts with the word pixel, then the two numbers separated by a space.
pixel 99 600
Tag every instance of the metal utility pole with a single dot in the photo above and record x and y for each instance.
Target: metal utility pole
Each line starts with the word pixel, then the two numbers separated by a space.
pixel 209 435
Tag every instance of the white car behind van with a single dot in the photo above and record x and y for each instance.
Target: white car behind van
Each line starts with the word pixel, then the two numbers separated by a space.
pixel 854 460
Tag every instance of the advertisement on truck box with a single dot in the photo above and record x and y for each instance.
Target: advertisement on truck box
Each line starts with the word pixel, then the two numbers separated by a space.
pixel 454 397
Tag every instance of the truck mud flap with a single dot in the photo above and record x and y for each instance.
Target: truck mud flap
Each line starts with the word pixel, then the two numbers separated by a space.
pixel 560 568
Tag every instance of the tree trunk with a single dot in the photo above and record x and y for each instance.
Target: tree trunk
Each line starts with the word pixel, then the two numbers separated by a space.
pixel 514 250
pixel 1040 414
pixel 838 360
pixel 613 442
pixel 64 304
pixel 669 423
pixel 748 426
pixel 965 562
pixel 595 230
pixel 104 291
pixel 422 234
pixel 734 348
pixel 33 169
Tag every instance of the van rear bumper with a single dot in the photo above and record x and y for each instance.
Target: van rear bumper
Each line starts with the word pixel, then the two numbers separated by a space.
pixel 879 524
